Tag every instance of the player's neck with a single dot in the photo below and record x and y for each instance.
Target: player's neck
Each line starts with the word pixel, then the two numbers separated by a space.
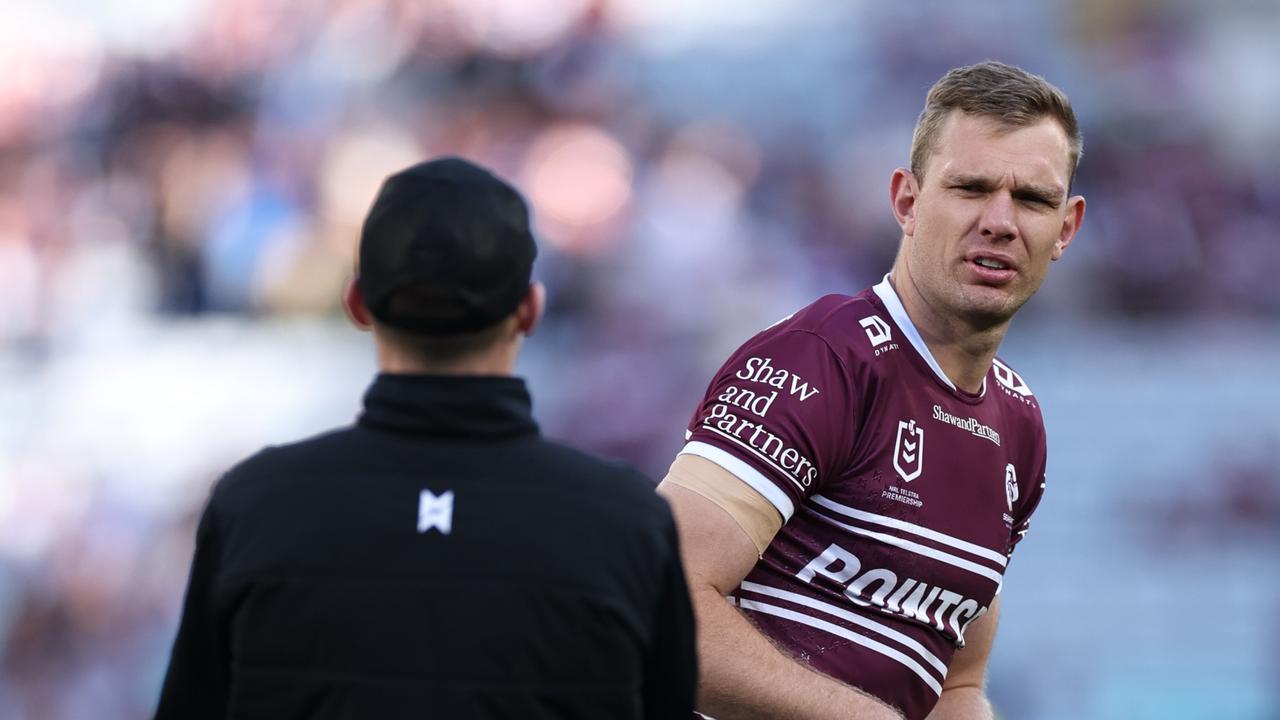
pixel 963 351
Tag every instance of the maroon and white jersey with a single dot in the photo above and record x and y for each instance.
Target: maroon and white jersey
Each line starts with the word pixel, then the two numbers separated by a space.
pixel 902 497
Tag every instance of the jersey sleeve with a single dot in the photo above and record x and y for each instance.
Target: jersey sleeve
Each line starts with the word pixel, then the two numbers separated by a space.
pixel 1032 492
pixel 778 415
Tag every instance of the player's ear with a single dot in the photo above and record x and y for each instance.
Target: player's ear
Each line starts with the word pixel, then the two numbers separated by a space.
pixel 1070 225
pixel 529 312
pixel 903 191
pixel 353 303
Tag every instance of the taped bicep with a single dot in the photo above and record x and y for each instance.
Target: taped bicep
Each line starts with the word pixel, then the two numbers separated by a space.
pixel 755 515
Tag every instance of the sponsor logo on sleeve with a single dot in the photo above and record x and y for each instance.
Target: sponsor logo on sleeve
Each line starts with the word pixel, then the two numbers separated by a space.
pixel 762 371
pixel 908 450
pixel 740 414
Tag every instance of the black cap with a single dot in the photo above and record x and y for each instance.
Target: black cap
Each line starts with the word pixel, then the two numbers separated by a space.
pixel 446 249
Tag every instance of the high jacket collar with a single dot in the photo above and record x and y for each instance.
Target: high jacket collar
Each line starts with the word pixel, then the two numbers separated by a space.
pixel 474 406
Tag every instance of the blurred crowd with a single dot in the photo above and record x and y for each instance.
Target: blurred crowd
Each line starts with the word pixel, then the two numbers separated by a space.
pixel 695 173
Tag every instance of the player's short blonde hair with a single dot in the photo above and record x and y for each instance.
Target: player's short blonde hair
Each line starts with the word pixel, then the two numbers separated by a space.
pixel 1007 94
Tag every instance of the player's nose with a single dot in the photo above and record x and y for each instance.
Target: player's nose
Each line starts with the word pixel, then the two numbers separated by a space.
pixel 997 220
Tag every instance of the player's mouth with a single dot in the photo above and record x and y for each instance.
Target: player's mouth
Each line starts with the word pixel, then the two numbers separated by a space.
pixel 991 268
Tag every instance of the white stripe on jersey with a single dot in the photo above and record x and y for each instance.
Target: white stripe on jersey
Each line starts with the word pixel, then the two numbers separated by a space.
pixel 920 530
pixel 917 548
pixel 851 617
pixel 744 472
pixel 849 635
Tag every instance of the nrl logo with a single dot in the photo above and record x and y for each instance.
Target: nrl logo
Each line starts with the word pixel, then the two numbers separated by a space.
pixel 908 450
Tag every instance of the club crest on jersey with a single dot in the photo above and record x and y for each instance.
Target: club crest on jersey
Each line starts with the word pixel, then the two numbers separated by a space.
pixel 1010 379
pixel 908 450
pixel 1010 485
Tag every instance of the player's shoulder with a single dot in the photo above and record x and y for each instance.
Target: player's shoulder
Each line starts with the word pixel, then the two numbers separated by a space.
pixel 844 323
pixel 828 315
pixel 1012 390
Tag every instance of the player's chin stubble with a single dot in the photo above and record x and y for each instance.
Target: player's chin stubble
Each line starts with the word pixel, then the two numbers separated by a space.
pixel 982 311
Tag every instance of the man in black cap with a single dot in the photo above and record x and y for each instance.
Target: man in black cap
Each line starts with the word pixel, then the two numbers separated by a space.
pixel 439 559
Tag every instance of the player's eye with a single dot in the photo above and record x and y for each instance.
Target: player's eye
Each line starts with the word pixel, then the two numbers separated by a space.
pixel 1039 201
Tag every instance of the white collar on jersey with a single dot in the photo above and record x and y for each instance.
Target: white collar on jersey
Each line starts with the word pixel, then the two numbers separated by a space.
pixel 889 297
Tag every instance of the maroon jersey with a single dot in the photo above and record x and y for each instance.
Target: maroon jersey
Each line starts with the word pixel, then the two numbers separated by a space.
pixel 902 496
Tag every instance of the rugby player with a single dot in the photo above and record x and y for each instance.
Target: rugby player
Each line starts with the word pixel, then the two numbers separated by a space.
pixel 857 475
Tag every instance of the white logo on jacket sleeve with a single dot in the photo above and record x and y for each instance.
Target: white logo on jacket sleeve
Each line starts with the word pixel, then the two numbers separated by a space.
pixel 908 450
pixel 1010 485
pixel 1010 379
pixel 877 330
pixel 435 512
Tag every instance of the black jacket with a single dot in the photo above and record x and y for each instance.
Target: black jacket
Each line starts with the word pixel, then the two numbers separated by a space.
pixel 528 581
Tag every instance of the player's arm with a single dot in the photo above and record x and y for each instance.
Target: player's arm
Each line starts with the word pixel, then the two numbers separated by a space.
pixel 964 692
pixel 741 673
